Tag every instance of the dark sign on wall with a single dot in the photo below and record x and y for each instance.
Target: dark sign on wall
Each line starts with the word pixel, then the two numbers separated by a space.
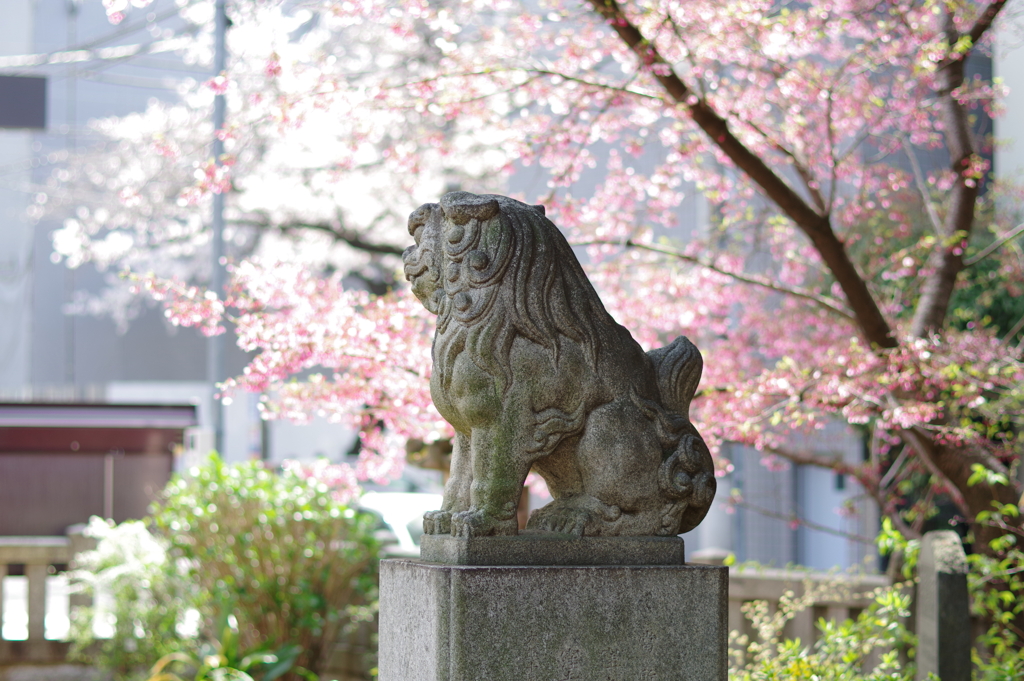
pixel 23 102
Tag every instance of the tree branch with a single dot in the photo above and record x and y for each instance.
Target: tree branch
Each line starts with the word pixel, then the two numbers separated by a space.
pixel 994 246
pixel 985 21
pixel 336 231
pixel 763 282
pixel 922 188
pixel 816 226
pixel 597 86
pixel 925 449
pixel 946 260
pixel 795 518
pixel 873 489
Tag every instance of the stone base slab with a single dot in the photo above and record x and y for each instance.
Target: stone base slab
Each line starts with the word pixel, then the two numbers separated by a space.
pixel 547 548
pixel 552 623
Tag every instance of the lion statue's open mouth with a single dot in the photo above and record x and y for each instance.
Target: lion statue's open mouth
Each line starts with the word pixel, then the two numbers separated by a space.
pixel 532 372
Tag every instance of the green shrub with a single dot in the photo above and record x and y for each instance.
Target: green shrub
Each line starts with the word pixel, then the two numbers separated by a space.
pixel 272 554
pixel 997 599
pixel 866 648
pixel 277 550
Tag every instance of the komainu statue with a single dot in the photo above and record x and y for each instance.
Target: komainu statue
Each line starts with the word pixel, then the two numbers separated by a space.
pixel 532 372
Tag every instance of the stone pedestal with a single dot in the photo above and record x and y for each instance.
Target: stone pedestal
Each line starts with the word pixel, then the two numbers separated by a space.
pixel 591 622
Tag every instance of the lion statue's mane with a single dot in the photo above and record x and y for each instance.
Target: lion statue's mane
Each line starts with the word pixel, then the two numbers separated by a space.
pixel 521 266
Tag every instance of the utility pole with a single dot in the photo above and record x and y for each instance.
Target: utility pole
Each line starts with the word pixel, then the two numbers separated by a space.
pixel 215 344
pixel 71 144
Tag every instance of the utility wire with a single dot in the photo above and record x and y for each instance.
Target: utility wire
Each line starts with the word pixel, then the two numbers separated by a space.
pixel 120 52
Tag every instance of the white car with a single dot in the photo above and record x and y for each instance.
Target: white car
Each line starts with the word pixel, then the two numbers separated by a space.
pixel 403 513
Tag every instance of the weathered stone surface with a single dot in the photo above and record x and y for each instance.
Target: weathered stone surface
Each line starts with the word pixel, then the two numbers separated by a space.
pixel 519 623
pixel 546 548
pixel 57 672
pixel 533 373
pixel 943 609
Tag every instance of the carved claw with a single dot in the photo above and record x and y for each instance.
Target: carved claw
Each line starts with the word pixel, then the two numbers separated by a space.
pixel 480 523
pixel 563 520
pixel 437 522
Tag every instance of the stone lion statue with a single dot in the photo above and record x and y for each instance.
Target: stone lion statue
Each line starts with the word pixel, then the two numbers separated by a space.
pixel 533 373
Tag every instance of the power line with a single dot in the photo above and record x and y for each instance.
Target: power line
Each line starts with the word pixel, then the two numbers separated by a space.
pixel 128 29
pixel 131 81
pixel 120 52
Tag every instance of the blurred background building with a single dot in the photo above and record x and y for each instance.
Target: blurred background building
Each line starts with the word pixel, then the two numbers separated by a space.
pixel 83 68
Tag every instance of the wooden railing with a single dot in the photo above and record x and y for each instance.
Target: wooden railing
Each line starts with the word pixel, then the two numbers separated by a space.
pixel 39 557
pixel 832 597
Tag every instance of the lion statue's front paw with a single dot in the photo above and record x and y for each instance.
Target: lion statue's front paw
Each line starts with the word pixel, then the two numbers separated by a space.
pixel 437 522
pixel 480 523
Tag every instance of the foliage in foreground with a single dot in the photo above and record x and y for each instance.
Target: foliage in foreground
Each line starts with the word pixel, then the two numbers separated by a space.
pixel 244 569
pixel 871 647
pixel 876 645
pixel 997 598
pixel 996 586
pixel 152 608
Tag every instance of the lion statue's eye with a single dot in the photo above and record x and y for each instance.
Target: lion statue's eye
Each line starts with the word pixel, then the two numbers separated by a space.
pixel 478 260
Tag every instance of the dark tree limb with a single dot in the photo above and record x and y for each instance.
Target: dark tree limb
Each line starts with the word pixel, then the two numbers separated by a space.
pixel 335 230
pixel 950 464
pixel 953 467
pixel 946 259
pixel 815 225
pixel 985 21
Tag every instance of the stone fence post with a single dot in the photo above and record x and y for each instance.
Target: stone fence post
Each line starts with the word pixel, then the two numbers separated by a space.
pixel 943 617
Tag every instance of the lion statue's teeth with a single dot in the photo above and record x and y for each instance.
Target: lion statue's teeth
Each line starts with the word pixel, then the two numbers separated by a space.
pixel 533 373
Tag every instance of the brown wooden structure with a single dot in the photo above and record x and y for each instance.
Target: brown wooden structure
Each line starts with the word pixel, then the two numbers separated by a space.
pixel 62 463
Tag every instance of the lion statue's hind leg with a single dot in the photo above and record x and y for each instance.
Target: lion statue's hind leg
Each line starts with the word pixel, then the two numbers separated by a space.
pixel 577 515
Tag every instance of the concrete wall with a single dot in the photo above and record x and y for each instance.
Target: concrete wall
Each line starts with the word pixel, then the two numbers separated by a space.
pixel 15 230
pixel 1007 57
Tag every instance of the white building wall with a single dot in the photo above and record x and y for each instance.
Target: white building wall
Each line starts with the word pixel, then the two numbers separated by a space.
pixel 15 260
pixel 242 431
pixel 804 515
pixel 15 231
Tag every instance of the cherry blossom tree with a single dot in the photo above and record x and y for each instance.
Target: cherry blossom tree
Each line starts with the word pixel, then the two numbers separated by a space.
pixel 859 261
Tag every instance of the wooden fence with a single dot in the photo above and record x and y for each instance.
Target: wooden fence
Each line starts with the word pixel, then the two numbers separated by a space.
pixel 831 596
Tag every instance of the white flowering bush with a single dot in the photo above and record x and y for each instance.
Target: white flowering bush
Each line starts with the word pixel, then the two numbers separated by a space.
pixel 152 609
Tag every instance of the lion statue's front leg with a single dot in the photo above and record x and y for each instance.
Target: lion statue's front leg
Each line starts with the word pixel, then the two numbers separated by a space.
pixel 475 510
pixel 472 509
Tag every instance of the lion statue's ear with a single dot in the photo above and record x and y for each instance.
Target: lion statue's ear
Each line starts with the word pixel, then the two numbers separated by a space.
pixel 461 207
